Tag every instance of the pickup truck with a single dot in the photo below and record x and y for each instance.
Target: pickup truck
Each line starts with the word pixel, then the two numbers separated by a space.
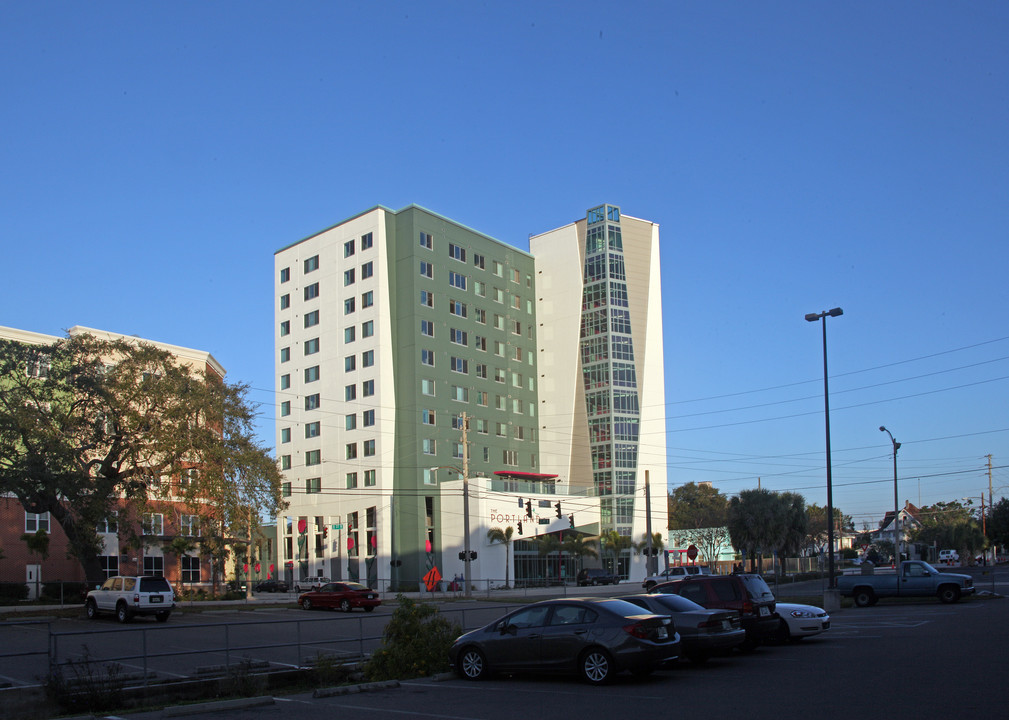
pixel 915 579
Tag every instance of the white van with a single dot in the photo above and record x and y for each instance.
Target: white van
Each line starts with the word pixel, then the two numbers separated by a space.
pixel 948 556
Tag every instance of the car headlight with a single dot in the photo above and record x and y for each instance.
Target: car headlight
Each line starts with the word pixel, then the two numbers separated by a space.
pixel 802 614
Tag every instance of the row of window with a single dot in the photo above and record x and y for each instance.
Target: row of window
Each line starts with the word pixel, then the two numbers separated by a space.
pixel 151 524
pixel 312 264
pixel 457 252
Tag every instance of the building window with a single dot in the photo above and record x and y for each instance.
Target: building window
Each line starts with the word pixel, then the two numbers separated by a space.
pixel 154 566
pixel 429 446
pixel 348 306
pixel 457 280
pixel 510 457
pixel 499 375
pixel 285 489
pixel 153 524
pixel 368 329
pixel 499 322
pixel 457 253
pixel 427 387
pixel 478 261
pixel 368 299
pixel 110 566
pixel 367 388
pixel 499 348
pixel 427 298
pixel 348 248
pixel 459 337
pixel 456 450
pixel 427 357
pixel 350 363
pixel 349 334
pixel 285 408
pixel 367 241
pixel 110 525
pixel 351 480
pixel 348 277
pixel 350 393
pixel 312 318
pixel 312 346
pixel 285 354
pixel 285 275
pixel 480 288
pixel 312 264
pixel 285 381
pixel 312 401
pixel 427 417
pixel 313 457
pixel 285 435
pixel 480 315
pixel 481 371
pixel 427 241
pixel 516 327
pixel 312 374
pixel 313 429
pixel 426 269
pixel 285 462
pixel 313 485
pixel 312 291
pixel 460 394
pixel 457 308
pixel 367 358
pixel 430 476
pixel 350 421
pixel 190 569
pixel 36 521
pixel 481 398
pixel 189 525
pixel 480 343
pixel 498 295
pixel 427 328
pixel 368 418
pixel 459 365
pixel 285 301
pixel 369 478
pixel 367 270
pixel 369 448
pixel 351 451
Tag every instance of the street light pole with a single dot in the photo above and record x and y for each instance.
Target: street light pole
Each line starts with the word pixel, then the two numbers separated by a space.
pixel 896 502
pixel 822 317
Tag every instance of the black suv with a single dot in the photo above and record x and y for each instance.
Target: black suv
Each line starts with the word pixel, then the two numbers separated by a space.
pixel 747 594
pixel 596 576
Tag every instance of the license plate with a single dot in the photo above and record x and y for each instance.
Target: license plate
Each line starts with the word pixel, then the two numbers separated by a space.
pixel 765 611
pixel 156 598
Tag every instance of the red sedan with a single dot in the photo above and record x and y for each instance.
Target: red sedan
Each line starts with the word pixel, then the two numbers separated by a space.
pixel 343 595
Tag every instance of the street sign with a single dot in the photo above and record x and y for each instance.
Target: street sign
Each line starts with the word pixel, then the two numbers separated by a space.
pixel 338 526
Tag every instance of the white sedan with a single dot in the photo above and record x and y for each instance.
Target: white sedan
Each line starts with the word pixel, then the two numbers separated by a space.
pixel 799 621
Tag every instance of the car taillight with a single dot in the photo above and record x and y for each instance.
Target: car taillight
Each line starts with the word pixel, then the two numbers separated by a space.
pixel 637 630
pixel 747 607
pixel 136 599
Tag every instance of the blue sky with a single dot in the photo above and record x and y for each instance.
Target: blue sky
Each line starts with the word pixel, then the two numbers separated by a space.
pixel 797 155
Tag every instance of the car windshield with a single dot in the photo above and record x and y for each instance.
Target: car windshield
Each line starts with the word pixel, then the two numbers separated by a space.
pixel 929 568
pixel 623 608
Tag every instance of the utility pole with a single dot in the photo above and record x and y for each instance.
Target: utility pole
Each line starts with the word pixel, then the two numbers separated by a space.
pixel 648 525
pixel 467 562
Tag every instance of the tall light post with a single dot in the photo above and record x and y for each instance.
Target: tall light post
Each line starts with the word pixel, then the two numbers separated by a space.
pixel 464 472
pixel 896 502
pixel 822 317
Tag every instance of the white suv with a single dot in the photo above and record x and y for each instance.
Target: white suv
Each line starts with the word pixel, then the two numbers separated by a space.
pixel 129 596
pixel 676 572
pixel 312 583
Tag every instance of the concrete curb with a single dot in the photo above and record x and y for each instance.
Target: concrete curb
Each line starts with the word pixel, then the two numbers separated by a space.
pixel 217 706
pixel 353 689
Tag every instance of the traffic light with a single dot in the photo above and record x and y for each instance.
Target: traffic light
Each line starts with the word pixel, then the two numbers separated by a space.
pixel 557 509
pixel 571 521
pixel 529 508
pixel 325 531
pixel 472 554
pixel 520 527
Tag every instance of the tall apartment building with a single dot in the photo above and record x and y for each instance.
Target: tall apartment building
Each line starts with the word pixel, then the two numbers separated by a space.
pixel 390 326
pixel 393 326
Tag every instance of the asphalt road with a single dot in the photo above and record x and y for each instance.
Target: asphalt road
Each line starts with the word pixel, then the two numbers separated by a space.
pixel 901 660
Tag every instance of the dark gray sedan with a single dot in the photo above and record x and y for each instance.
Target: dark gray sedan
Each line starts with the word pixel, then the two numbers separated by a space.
pixel 595 638
pixel 703 632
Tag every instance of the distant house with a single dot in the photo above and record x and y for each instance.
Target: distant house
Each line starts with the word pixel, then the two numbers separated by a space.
pixel 908 520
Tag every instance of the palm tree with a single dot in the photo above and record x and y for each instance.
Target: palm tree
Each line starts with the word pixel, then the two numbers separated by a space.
pixel 658 545
pixel 577 546
pixel 497 535
pixel 616 543
pixel 547 544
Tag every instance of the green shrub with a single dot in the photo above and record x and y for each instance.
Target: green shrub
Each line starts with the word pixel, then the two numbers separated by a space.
pixel 415 643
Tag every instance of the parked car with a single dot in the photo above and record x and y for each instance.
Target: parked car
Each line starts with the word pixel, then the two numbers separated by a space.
pixel 949 556
pixel 745 593
pixel 343 595
pixel 674 573
pixel 596 576
pixel 915 579
pixel 703 632
pixel 312 583
pixel 595 638
pixel 272 586
pixel 126 596
pixel 799 621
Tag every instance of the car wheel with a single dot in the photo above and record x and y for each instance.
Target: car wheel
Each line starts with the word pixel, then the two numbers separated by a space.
pixel 122 612
pixel 307 604
pixel 595 666
pixel 864 597
pixel 649 586
pixel 949 594
pixel 472 664
pixel 91 608
pixel 163 616
pixel 345 605
pixel 594 583
pixel 784 634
